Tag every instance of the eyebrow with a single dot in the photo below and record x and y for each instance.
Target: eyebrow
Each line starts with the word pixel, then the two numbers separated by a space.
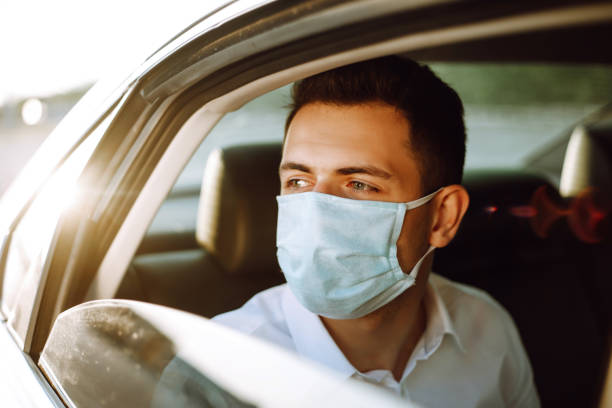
pixel 294 166
pixel 370 170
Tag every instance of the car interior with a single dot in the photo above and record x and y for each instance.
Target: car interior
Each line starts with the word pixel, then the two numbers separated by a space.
pixel 554 285
pixel 537 237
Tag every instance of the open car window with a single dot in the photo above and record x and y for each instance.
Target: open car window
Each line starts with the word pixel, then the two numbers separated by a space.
pixel 513 112
pixel 517 224
pixel 261 120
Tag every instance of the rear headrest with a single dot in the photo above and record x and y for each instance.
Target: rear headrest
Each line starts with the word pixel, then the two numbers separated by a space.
pixel 588 160
pixel 237 209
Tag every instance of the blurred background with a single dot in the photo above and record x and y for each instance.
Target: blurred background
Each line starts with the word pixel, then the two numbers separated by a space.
pixel 52 52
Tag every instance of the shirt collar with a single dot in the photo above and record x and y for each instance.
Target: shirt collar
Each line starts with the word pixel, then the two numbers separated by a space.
pixel 439 321
pixel 311 338
pixel 313 341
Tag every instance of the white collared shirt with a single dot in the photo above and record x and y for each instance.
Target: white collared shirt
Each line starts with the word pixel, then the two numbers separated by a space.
pixel 470 354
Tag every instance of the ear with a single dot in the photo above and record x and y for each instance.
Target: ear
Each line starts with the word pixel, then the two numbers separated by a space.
pixel 450 205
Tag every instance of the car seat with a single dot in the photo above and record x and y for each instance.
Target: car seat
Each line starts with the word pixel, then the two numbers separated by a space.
pixel 236 229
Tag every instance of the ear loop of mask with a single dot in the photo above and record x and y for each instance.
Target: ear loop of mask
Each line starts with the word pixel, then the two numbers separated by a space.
pixel 408 280
pixel 410 205
pixel 394 291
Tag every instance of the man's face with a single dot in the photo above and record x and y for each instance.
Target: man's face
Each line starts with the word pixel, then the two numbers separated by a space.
pixel 358 152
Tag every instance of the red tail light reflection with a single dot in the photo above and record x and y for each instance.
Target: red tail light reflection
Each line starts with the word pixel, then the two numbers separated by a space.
pixel 523 211
pixel 586 215
pixel 587 218
pixel 490 209
pixel 546 212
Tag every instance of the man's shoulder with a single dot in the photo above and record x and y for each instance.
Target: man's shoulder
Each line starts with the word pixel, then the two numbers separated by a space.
pixel 477 317
pixel 488 333
pixel 457 294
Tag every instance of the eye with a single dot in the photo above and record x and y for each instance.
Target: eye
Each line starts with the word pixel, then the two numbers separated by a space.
pixel 361 186
pixel 296 183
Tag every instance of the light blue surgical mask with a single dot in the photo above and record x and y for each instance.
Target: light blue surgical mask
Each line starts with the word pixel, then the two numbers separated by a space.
pixel 339 255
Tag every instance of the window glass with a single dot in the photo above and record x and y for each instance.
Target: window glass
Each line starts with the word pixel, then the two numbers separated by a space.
pixel 511 111
pixel 33 235
pixel 259 121
pixel 93 346
pixel 514 110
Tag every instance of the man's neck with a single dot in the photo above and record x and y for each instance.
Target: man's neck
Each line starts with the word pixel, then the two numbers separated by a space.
pixel 384 339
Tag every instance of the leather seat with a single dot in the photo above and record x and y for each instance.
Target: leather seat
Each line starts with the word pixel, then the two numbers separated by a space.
pixel 236 231
pixel 237 211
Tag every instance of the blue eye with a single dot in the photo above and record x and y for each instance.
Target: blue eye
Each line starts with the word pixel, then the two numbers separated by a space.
pixel 360 186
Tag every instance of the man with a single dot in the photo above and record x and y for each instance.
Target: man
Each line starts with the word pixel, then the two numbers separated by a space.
pixel 370 186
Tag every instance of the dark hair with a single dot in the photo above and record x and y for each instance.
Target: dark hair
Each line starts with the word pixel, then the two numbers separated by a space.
pixel 432 108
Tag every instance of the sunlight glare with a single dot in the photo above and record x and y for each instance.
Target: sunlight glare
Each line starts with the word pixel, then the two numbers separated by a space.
pixel 53 46
pixel 33 111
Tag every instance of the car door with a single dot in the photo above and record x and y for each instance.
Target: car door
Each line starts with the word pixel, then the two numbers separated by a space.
pixel 126 353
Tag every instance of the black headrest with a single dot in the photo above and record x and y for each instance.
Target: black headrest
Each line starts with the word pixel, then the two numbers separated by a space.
pixel 237 210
